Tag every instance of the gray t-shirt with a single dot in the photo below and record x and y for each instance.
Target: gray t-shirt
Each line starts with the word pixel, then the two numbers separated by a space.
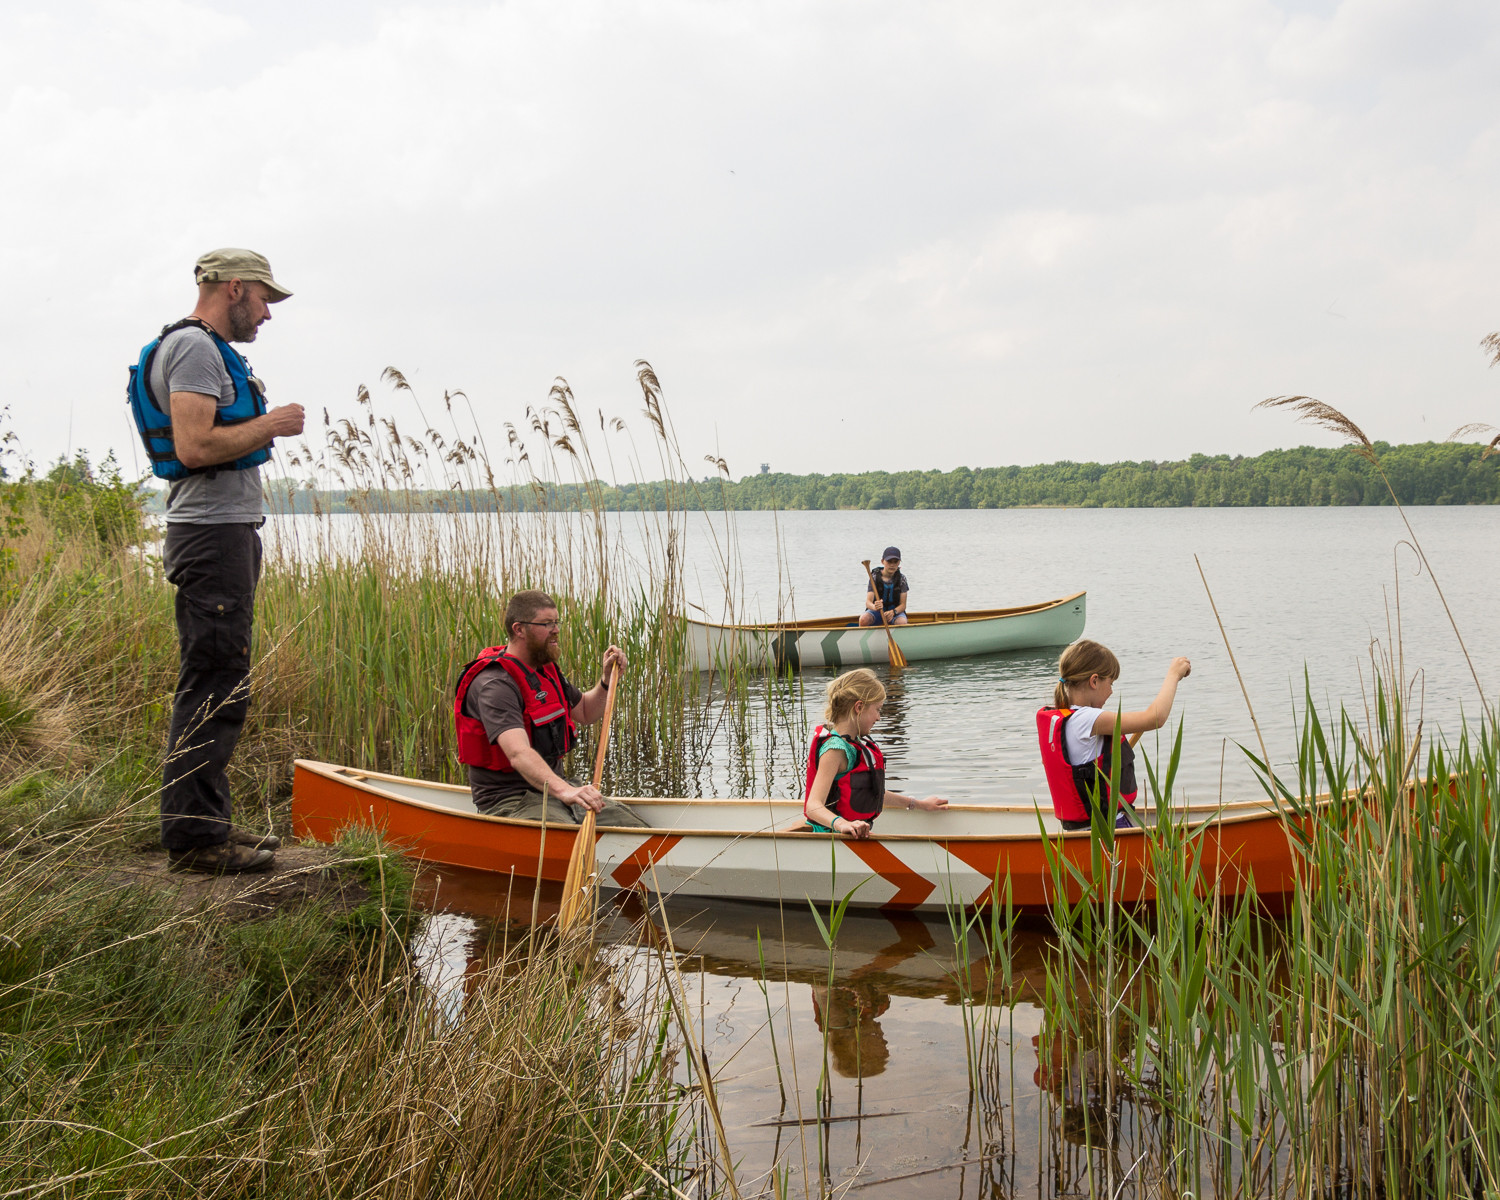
pixel 188 361
pixel 495 699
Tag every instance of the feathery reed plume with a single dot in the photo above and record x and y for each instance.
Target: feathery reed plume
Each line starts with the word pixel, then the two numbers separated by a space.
pixel 1316 412
pixel 1464 432
pixel 1490 344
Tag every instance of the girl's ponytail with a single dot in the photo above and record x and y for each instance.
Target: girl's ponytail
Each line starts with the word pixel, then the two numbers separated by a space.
pixel 1080 660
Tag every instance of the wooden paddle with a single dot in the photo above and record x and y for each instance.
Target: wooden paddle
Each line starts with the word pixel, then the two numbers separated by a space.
pixel 578 884
pixel 897 658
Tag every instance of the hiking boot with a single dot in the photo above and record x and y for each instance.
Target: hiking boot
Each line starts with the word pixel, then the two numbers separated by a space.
pixel 226 858
pixel 257 841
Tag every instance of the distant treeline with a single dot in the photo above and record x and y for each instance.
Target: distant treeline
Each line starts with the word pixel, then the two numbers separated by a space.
pixel 1425 473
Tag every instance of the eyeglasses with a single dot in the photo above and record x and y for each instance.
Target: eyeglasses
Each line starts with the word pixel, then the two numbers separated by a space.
pixel 543 624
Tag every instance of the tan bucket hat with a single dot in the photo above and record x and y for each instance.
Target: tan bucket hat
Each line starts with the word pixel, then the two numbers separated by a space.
pixel 220 266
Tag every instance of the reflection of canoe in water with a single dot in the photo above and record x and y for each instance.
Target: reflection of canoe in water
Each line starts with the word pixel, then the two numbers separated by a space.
pixel 906 953
pixel 755 849
pixel 837 642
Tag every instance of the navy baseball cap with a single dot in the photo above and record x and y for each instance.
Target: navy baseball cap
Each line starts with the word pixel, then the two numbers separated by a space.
pixel 890 553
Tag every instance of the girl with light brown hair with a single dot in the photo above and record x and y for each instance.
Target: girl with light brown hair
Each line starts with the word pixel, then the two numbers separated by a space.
pixel 845 768
pixel 1076 732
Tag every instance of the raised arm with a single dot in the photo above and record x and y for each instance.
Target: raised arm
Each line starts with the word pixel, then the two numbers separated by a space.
pixel 590 706
pixel 1152 717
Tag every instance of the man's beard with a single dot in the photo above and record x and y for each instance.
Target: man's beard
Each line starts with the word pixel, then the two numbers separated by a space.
pixel 544 652
pixel 242 327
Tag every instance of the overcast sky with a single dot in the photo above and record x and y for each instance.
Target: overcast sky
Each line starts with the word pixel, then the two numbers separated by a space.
pixel 848 236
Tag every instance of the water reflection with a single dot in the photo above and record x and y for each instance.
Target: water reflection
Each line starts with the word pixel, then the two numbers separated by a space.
pixel 945 1075
pixel 847 1012
pixel 899 1104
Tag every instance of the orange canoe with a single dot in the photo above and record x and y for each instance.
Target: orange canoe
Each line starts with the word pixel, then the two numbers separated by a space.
pixel 750 849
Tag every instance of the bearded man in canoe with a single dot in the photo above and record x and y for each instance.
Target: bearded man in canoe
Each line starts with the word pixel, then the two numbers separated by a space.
pixel 516 713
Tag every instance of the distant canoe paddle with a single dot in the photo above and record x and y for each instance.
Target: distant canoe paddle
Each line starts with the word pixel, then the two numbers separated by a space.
pixel 897 658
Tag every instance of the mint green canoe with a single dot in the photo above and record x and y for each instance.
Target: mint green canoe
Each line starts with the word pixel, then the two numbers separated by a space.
pixel 836 642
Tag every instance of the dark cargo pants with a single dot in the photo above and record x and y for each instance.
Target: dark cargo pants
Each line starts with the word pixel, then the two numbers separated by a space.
pixel 215 569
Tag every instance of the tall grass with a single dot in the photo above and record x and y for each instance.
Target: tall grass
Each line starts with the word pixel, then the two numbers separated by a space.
pixel 374 613
pixel 150 1050
pixel 153 1049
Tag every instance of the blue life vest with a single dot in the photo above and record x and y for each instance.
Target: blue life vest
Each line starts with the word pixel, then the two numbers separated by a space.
pixel 888 591
pixel 155 423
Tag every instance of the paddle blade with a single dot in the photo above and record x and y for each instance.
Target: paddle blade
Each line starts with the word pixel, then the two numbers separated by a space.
pixel 578 887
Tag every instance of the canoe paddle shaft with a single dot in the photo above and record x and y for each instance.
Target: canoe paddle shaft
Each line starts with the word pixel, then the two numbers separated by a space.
pixel 897 658
pixel 578 884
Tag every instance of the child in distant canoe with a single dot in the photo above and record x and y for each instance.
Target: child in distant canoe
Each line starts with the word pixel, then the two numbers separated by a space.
pixel 885 599
pixel 1076 732
pixel 845 768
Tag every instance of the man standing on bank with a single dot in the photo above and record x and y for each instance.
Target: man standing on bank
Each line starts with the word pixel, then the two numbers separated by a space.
pixel 202 415
pixel 515 714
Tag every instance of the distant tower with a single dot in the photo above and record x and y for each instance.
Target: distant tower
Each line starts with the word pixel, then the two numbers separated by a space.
pixel 765 468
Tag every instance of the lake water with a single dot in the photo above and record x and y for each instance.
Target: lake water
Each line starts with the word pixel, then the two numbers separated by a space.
pixel 1297 589
pixel 1300 588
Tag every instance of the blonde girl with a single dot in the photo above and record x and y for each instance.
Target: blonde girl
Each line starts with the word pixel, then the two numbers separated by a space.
pixel 845 768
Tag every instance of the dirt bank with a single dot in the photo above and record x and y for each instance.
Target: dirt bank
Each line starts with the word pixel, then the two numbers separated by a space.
pixel 302 874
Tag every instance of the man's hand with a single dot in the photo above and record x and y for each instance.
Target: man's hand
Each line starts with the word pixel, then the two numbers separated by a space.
pixel 614 655
pixel 587 796
pixel 285 420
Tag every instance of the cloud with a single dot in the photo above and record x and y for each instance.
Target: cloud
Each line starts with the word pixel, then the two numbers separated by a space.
pixel 1072 230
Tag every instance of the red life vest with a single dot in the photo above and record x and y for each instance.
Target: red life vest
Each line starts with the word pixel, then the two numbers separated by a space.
pixel 549 721
pixel 859 793
pixel 1074 784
